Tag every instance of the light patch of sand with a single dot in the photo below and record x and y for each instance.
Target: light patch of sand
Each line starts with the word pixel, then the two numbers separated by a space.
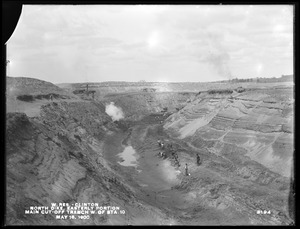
pixel 194 125
pixel 277 164
pixel 175 124
pixel 262 118
pixel 267 157
pixel 232 112
pixel 241 107
pixel 264 155
pixel 143 185
pixel 169 172
pixel 192 195
pixel 250 143
pixel 253 96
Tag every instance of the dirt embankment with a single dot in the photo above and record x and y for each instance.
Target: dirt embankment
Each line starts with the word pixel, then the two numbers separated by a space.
pixel 136 105
pixel 58 157
pixel 262 128
pixel 17 86
pixel 27 95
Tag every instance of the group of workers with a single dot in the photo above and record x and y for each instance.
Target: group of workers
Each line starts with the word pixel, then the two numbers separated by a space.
pixel 186 165
pixel 157 118
pixel 170 148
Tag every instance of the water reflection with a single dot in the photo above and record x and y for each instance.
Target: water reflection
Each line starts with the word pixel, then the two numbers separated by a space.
pixel 129 157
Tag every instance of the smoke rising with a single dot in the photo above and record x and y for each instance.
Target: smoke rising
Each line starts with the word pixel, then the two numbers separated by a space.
pixel 114 112
pixel 219 61
pixel 217 56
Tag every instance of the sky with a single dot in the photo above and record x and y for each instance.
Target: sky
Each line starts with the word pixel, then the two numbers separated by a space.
pixel 155 43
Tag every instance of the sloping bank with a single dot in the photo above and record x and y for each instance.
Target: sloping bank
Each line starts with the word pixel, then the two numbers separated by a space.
pixel 57 158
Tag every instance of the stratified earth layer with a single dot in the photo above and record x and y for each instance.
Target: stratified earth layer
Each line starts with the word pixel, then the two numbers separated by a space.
pixel 68 151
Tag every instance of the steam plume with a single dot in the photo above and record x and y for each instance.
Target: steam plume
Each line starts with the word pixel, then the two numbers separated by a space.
pixel 114 112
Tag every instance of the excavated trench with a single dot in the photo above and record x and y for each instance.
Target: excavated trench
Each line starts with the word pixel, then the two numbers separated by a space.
pixel 139 158
pixel 136 156
pixel 93 158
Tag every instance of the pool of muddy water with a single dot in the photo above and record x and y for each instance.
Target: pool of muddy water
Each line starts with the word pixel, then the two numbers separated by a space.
pixel 151 176
pixel 155 173
pixel 151 171
pixel 129 157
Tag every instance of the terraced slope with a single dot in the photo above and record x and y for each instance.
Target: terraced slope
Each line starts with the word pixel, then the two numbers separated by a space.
pixel 259 122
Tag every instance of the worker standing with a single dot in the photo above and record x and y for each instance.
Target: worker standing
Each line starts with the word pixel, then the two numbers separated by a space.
pixel 51 97
pixel 186 170
pixel 198 159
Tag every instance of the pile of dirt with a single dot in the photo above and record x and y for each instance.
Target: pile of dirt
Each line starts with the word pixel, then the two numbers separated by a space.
pixel 27 95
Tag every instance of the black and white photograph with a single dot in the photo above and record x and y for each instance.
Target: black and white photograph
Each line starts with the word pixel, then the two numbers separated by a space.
pixel 150 114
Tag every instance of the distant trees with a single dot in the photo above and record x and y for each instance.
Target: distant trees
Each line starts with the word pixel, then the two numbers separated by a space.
pixel 283 78
pixel 236 80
